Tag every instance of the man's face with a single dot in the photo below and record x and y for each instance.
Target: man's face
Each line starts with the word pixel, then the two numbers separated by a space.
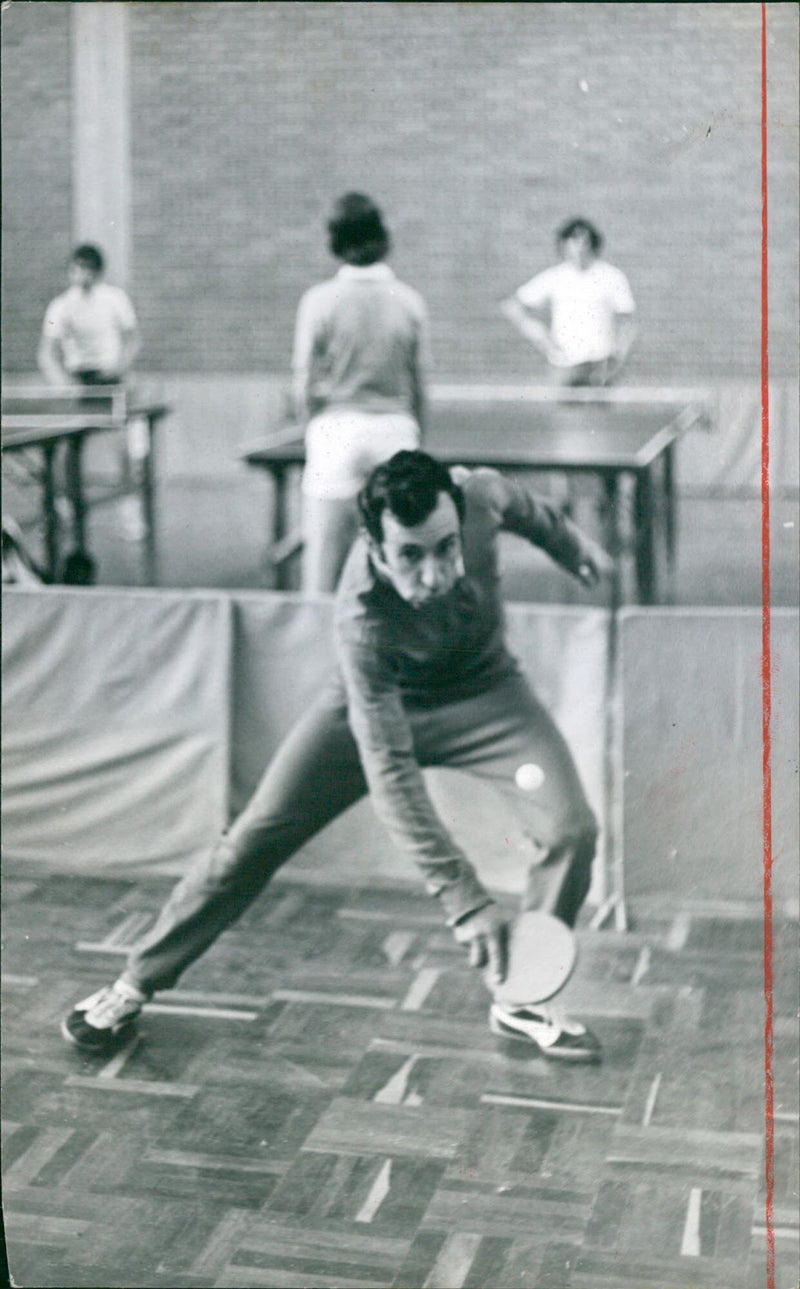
pixel 577 249
pixel 81 275
pixel 422 563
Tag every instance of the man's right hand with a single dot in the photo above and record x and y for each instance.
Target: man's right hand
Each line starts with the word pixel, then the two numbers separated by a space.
pixel 553 353
pixel 595 562
pixel 485 933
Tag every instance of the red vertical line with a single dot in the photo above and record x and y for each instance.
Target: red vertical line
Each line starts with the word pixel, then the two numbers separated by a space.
pixel 766 686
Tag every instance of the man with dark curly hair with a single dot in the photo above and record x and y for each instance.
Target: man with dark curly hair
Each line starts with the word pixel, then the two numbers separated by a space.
pixel 89 333
pixel 424 678
pixel 579 313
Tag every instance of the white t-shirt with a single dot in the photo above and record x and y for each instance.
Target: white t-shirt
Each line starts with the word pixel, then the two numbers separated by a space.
pixel 583 307
pixel 89 326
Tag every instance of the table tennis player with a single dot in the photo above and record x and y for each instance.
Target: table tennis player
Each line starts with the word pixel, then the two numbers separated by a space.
pixel 359 364
pixel 579 313
pixel 90 336
pixel 423 678
pixel 89 333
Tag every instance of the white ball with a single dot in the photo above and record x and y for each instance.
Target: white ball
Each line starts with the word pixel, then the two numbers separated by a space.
pixel 529 777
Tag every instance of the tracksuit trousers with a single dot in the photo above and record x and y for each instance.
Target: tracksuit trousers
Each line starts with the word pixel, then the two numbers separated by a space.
pixel 316 774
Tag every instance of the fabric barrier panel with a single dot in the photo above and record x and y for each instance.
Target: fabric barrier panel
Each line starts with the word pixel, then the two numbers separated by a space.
pixel 728 460
pixel 115 717
pixel 283 654
pixel 118 706
pixel 691 753
pixel 283 651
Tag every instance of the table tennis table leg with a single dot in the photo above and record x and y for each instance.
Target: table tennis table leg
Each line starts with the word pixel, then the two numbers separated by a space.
pixel 670 504
pixel 79 567
pixel 614 900
pixel 49 512
pixel 147 488
pixel 280 521
pixel 74 482
pixel 611 527
pixel 645 538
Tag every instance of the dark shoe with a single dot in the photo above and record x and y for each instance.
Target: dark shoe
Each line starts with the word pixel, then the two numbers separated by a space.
pixel 79 570
pixel 556 1037
pixel 105 1021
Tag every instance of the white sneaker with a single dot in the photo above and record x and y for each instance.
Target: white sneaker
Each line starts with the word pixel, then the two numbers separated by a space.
pixel 557 1037
pixel 105 1020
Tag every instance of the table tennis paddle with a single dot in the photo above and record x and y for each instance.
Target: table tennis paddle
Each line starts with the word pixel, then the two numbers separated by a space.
pixel 541 955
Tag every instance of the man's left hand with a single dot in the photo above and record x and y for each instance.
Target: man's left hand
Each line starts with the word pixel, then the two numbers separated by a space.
pixel 485 934
pixel 595 562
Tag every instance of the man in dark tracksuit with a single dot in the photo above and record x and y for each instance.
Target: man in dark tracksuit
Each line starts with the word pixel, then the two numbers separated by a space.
pixel 424 678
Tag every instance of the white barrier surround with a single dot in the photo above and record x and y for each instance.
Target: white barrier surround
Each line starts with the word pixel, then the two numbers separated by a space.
pixel 691 749
pixel 135 721
pixel 115 726
pixel 119 704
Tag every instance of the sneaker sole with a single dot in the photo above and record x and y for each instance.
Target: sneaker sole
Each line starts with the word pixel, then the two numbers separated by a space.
pixel 572 1055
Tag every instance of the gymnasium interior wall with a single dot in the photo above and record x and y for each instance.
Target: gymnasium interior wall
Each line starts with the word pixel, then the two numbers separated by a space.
pixel 479 127
pixel 36 171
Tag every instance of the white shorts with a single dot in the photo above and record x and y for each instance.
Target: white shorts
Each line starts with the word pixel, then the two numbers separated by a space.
pixel 344 446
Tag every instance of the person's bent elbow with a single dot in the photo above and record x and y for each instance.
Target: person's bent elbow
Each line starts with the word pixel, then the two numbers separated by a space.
pixel 49 363
pixel 511 309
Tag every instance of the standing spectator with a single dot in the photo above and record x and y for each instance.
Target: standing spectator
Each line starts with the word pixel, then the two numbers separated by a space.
pixel 359 364
pixel 89 334
pixel 579 313
pixel 90 337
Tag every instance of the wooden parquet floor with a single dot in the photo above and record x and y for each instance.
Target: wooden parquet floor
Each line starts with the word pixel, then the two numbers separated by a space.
pixel 320 1103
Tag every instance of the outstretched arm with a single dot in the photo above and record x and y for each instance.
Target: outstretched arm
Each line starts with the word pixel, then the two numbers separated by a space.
pixel 302 353
pixel 420 370
pixel 521 512
pixel 625 328
pixel 530 327
pixel 625 334
pixel 48 359
pixel 130 343
pixel 401 801
pixel 397 789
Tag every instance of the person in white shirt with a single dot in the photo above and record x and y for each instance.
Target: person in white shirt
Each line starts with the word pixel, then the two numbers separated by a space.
pixel 579 313
pixel 359 372
pixel 89 334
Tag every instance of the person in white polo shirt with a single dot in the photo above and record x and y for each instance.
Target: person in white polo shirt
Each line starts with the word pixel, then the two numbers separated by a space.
pixel 359 370
pixel 89 334
pixel 579 313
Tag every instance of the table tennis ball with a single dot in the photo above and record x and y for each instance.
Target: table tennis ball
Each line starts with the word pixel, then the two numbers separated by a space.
pixel 529 777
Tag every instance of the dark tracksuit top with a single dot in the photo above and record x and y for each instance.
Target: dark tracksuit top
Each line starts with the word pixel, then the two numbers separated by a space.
pixel 395 659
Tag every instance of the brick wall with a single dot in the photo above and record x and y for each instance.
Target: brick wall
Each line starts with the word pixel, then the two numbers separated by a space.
pixel 479 127
pixel 36 170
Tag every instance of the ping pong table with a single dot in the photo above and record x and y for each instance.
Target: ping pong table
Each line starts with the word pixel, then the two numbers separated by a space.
pixel 54 421
pixel 608 435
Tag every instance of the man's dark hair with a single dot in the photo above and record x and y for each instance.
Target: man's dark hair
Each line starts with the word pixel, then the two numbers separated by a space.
pixel 356 231
pixel 89 255
pixel 574 226
pixel 408 485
